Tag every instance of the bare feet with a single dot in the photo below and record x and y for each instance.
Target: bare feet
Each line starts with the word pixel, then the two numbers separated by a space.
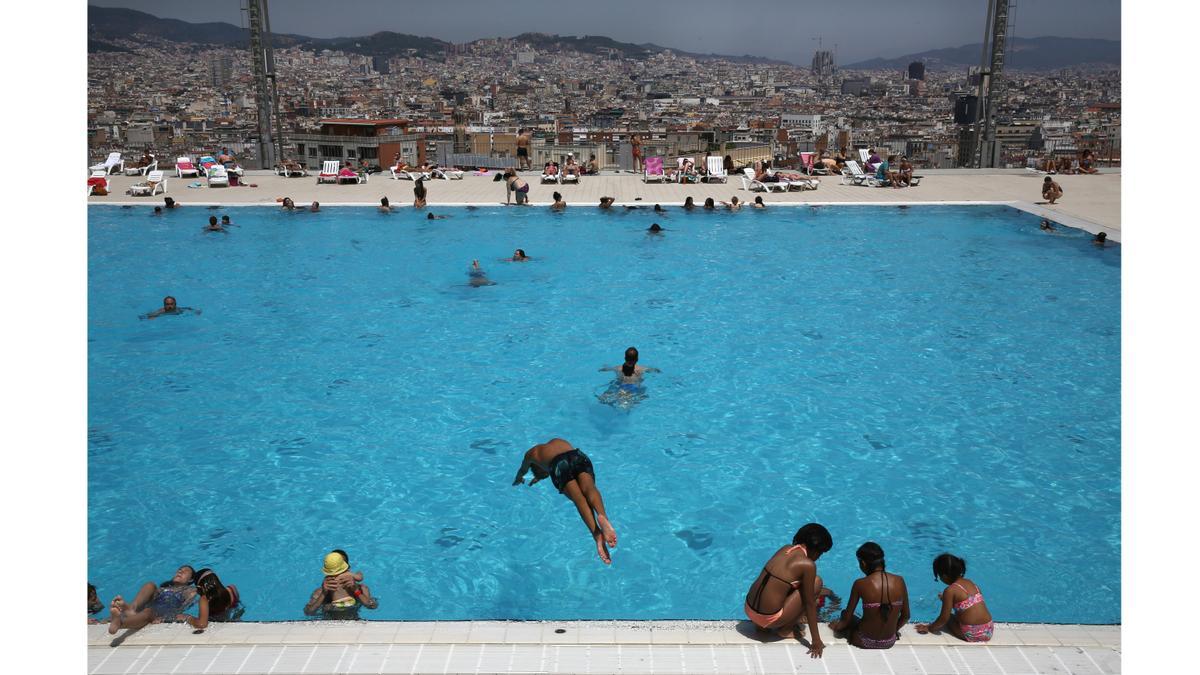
pixel 610 535
pixel 114 611
pixel 601 549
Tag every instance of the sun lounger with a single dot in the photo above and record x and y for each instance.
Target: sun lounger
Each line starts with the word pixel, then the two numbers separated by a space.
pixel 98 181
pixel 571 176
pixel 156 182
pixel 185 168
pixel 217 176
pixel 653 170
pixel 141 170
pixel 292 170
pixel 751 185
pixel 329 172
pixel 207 162
pixel 554 177
pixel 716 170
pixel 113 164
pixel 801 183
pixel 854 175
pixel 447 174
pixel 347 174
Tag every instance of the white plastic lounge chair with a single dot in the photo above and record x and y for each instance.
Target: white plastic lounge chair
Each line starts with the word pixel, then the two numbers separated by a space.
pixel 329 172
pixel 797 184
pixel 571 176
pixel 218 176
pixel 290 171
pixel 405 174
pixel 716 170
pixel 653 170
pixel 447 174
pixel 99 178
pixel 184 168
pixel 155 182
pixel 355 178
pixel 207 162
pixel 555 177
pixel 114 164
pixel 864 155
pixel 141 170
pixel 751 185
pixel 854 175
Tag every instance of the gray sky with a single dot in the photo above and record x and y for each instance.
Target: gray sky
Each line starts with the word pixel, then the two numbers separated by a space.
pixel 782 29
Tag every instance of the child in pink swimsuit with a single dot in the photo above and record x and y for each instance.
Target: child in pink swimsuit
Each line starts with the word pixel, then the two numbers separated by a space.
pixel 964 613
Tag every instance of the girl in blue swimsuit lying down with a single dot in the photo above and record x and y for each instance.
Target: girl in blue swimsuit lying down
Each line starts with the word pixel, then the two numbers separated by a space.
pixel 154 603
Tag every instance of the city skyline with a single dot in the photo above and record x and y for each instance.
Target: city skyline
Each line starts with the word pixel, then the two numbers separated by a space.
pixel 716 27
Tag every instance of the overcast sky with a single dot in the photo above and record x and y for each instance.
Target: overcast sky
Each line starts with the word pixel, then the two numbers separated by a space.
pixel 782 29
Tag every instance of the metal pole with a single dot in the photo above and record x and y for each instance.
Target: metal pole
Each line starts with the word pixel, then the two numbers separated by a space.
pixel 270 62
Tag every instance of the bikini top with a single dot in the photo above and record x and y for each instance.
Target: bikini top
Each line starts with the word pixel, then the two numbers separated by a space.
pixel 794 584
pixel 971 600
pixel 885 606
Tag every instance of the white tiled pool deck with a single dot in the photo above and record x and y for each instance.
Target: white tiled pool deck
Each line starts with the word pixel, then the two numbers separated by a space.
pixel 584 647
pixel 1092 202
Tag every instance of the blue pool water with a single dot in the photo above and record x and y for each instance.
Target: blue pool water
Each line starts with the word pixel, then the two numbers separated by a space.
pixel 931 378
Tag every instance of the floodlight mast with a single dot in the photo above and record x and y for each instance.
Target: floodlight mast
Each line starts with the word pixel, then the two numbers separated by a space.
pixel 270 140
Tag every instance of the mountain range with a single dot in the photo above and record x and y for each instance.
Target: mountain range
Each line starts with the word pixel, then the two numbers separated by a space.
pixel 1041 53
pixel 108 23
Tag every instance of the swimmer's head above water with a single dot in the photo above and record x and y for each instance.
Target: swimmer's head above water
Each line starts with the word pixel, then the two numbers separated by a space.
pixel 169 304
pixel 654 227
pixel 631 359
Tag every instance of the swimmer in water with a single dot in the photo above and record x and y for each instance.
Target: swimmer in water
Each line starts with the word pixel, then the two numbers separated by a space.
pixel 758 203
pixel 288 204
pixel 158 210
pixel 558 204
pixel 630 372
pixel 572 473
pixel 655 228
pixel 214 226
pixel 169 307
pixel 225 222
pixel 477 277
pixel 709 204
pixel 689 204
pixel 1100 239
pixel 316 206
pixel 385 206
pixel 659 209
pixel 518 256
pixel 733 204
pixel 606 202
pixel 433 217
pixel 169 203
pixel 1046 226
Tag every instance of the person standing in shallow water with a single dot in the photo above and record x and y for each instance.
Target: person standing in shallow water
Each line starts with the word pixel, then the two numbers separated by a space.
pixel 572 473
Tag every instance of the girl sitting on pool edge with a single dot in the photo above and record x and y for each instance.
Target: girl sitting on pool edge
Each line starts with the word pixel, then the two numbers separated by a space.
pixel 964 613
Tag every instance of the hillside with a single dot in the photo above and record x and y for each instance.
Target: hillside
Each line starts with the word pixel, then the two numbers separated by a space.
pixel 1042 53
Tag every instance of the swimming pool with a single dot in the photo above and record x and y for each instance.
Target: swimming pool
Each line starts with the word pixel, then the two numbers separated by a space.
pixel 930 378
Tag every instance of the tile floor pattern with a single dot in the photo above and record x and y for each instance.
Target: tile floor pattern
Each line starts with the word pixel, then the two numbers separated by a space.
pixel 720 647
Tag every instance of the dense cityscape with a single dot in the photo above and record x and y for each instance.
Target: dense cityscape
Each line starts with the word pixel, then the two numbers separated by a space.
pixel 467 105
